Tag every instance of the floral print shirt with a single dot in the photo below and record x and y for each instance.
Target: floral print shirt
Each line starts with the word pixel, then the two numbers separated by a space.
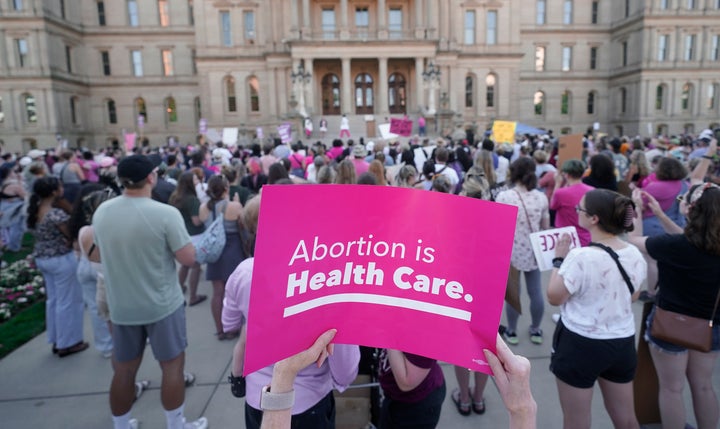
pixel 536 204
pixel 49 240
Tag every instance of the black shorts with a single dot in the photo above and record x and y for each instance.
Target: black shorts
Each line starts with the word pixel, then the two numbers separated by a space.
pixel 579 361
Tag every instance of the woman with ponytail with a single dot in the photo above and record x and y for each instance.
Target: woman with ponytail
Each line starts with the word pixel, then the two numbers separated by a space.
pixel 233 253
pixel 532 216
pixel 56 261
pixel 595 336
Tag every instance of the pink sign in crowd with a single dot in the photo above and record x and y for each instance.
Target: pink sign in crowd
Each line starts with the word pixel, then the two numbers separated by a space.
pixel 325 279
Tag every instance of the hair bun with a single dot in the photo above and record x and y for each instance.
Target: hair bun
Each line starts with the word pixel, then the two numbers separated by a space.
pixel 629 215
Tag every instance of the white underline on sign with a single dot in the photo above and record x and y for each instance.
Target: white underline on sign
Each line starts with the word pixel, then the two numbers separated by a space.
pixel 389 301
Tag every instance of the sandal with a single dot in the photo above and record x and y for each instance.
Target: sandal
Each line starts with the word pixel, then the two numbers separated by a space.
pixel 462 407
pixel 189 378
pixel 479 406
pixel 198 299
pixel 223 336
pixel 81 346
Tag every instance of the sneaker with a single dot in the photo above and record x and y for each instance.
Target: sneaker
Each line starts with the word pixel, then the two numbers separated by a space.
pixel 200 423
pixel 556 317
pixel 536 337
pixel 134 424
pixel 106 354
pixel 189 378
pixel 140 387
pixel 511 338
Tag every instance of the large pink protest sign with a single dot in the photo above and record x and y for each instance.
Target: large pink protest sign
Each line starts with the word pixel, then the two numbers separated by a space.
pixel 418 271
pixel 402 127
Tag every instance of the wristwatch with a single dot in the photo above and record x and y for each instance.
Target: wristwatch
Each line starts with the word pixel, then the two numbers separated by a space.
pixel 557 262
pixel 270 401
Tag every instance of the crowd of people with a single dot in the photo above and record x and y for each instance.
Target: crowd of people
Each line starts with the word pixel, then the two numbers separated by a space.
pixel 111 227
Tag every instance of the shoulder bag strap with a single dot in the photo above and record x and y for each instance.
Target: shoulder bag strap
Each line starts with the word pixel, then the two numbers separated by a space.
pixel 717 300
pixel 527 216
pixel 617 261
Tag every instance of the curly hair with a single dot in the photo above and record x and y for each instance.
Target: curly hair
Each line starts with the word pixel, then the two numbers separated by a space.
pixel 703 221
pixel 670 169
pixel 615 212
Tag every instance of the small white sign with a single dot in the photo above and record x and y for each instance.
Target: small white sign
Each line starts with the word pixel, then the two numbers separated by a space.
pixel 385 132
pixel 230 136
pixel 212 135
pixel 544 243
pixel 596 126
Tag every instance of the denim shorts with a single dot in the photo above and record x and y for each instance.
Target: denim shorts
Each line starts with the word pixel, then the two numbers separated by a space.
pixel 671 348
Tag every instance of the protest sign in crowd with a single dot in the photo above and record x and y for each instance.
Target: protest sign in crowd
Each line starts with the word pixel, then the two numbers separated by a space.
pixel 413 268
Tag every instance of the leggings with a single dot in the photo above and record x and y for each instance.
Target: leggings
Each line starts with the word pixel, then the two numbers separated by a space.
pixel 537 302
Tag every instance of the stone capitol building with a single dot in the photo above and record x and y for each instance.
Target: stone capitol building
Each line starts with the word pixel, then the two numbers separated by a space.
pixel 87 70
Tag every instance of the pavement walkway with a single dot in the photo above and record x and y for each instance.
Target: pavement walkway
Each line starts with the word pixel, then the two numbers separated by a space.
pixel 40 390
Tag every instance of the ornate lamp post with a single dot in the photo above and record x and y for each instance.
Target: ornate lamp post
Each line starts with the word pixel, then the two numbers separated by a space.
pixel 431 79
pixel 300 78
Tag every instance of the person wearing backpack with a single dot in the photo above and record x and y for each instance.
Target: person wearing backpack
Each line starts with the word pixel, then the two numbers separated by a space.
pixel 233 252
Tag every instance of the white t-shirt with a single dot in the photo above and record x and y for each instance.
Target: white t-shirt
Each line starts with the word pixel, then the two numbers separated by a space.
pixel 600 305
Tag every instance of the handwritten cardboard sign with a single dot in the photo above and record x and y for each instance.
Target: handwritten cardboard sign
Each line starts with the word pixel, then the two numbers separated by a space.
pixel 130 141
pixel 388 267
pixel 569 147
pixel 544 243
pixel 504 131
pixel 401 127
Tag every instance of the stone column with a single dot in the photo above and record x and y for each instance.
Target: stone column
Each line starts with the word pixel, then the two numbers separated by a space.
pixel 419 88
pixel 346 87
pixel 294 24
pixel 430 14
pixel 383 87
pixel 344 29
pixel 306 19
pixel 382 19
pixel 419 25
pixel 309 87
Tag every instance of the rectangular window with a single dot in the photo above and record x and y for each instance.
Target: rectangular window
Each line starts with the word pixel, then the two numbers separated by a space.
pixel 137 63
pixel 105 57
pixel 491 27
pixel 17 4
pixel 540 58
pixel 164 12
pixel 565 103
pixel 101 13
pixel 133 18
pixel 225 28
pixel 469 27
pixel 566 58
pixel 193 59
pixel 249 21
pixel 191 13
pixel 73 111
pixel 663 4
pixel 568 12
pixel 624 54
pixel 594 14
pixel 715 48
pixel 167 62
pixel 395 23
pixel 62 9
pixel 540 12
pixel 691 4
pixel 690 47
pixel 22 51
pixel 68 58
pixel 112 112
pixel 362 21
pixel 663 47
pixel 627 8
pixel 593 57
pixel 712 96
pixel 328 23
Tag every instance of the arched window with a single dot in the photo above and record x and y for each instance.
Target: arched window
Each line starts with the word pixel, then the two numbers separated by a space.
pixel 141 109
pixel 396 93
pixel 331 94
pixel 111 111
pixel 662 130
pixel 712 96
pixel 591 100
pixel 565 101
pixel 623 100
pixel 364 94
pixel 686 97
pixel 539 102
pixel 28 102
pixel 469 90
pixel 660 97
pixel 254 92
pixel 170 110
pixel 491 93
pixel 73 110
pixel 230 94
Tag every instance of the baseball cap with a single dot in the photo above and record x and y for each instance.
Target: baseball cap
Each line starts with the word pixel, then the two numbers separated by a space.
pixel 706 135
pixel 36 153
pixel 135 168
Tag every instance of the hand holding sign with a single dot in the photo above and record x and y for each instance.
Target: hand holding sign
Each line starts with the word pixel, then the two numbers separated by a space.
pixel 563 245
pixel 545 243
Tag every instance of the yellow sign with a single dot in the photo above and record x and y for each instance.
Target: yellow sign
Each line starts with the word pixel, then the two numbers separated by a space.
pixel 504 131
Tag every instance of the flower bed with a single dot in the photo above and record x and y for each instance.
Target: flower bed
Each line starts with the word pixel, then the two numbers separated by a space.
pixel 21 284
